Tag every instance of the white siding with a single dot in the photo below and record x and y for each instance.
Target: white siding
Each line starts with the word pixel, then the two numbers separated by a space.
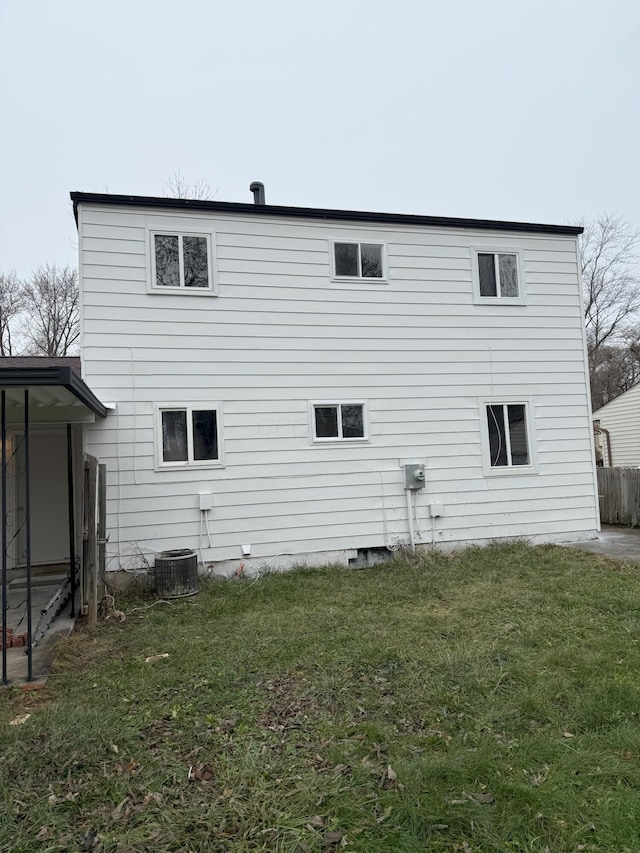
pixel 621 417
pixel 280 333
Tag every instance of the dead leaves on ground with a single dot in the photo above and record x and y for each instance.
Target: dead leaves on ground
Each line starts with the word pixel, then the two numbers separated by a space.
pixel 204 773
pixel 128 806
pixel 70 797
pixel 333 839
pixel 484 798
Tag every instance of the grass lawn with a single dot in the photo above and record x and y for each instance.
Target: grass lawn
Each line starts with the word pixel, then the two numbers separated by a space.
pixel 484 702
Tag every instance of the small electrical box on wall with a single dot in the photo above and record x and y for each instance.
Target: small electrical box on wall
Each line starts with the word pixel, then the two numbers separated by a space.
pixel 414 476
pixel 206 501
pixel 436 509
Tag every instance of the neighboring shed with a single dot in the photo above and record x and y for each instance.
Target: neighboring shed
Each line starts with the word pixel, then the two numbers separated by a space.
pixel 620 422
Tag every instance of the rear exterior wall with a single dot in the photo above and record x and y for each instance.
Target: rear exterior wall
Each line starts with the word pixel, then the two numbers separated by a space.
pixel 280 333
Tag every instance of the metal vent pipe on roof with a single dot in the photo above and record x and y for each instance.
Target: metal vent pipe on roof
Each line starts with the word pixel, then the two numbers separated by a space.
pixel 257 188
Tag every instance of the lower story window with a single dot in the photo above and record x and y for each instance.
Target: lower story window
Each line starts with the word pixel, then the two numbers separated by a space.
pixel 508 439
pixel 338 421
pixel 188 435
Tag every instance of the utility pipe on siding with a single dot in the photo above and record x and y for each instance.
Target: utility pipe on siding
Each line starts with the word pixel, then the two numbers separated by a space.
pixel 607 435
pixel 412 538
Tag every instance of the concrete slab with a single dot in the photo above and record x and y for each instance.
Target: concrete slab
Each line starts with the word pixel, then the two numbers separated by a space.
pixel 622 543
pixel 44 586
pixel 42 655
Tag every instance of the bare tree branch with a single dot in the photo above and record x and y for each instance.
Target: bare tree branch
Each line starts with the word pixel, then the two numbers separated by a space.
pixel 611 286
pixel 11 304
pixel 179 187
pixel 610 277
pixel 616 370
pixel 51 326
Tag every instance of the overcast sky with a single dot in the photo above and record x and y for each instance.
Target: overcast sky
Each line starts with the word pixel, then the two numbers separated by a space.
pixel 493 109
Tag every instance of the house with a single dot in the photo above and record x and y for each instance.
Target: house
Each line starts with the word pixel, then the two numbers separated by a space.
pixel 287 384
pixel 617 426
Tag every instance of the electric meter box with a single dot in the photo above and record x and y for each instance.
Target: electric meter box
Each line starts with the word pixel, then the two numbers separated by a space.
pixel 414 476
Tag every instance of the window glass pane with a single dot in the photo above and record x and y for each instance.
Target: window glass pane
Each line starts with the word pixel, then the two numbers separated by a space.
pixel 167 264
pixel 497 437
pixel 518 435
pixel 352 422
pixel 487 273
pixel 371 261
pixel 196 271
pixel 205 435
pixel 508 266
pixel 174 436
pixel 346 258
pixel 326 421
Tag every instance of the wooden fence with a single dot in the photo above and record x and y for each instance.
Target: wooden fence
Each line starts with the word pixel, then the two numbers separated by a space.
pixel 619 493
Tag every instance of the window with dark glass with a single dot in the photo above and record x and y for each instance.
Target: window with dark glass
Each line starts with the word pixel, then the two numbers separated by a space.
pixel 508 440
pixel 498 275
pixel 181 260
pixel 358 260
pixel 342 421
pixel 189 435
pixel 174 436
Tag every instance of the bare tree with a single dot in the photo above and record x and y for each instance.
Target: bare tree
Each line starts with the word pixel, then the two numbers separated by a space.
pixel 610 278
pixel 51 324
pixel 179 187
pixel 11 303
pixel 616 370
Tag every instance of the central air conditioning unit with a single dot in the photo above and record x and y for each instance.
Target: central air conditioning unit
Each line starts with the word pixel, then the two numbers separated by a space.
pixel 176 573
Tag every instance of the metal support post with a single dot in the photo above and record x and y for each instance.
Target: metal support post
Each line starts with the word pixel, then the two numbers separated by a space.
pixel 3 420
pixel 72 523
pixel 27 508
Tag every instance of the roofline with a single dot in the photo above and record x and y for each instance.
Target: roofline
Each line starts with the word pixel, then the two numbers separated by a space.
pixel 317 213
pixel 605 405
pixel 21 377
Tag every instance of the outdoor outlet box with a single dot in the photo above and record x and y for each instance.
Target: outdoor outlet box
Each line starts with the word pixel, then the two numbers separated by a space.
pixel 206 500
pixel 414 476
pixel 436 509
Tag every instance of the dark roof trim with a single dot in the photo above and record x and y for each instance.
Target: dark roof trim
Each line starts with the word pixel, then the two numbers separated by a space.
pixel 317 213
pixel 17 377
pixel 24 361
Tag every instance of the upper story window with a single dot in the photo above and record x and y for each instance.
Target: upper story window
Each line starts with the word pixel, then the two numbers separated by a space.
pixel 181 262
pixel 338 421
pixel 497 277
pixel 358 260
pixel 188 436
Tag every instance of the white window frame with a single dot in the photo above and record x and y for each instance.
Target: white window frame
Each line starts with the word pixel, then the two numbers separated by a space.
pixel 360 279
pixel 211 290
pixel 508 470
pixel 191 463
pixel 520 299
pixel 339 439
